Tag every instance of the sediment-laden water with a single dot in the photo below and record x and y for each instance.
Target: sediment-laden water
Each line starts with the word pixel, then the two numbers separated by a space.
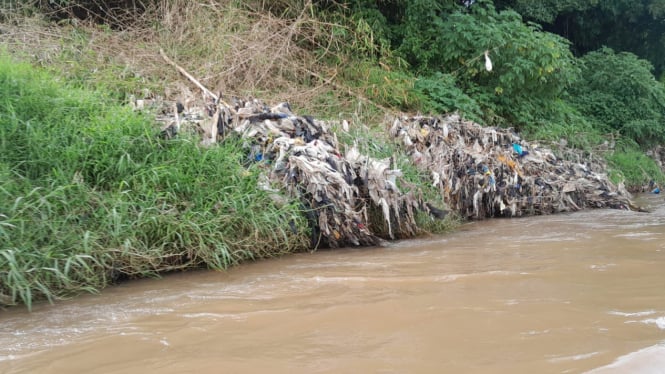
pixel 555 294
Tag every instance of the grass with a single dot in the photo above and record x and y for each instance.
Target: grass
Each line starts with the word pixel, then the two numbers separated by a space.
pixel 627 161
pixel 90 195
pixel 631 166
pixel 234 48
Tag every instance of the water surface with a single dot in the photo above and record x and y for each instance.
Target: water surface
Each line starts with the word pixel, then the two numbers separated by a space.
pixel 567 293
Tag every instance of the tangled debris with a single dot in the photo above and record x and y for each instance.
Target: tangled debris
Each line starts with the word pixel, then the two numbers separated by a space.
pixel 480 171
pixel 490 172
pixel 302 158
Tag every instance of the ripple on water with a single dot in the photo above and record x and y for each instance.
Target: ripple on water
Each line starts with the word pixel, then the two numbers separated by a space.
pixel 642 235
pixel 547 301
pixel 601 267
pixel 402 279
pixel 578 357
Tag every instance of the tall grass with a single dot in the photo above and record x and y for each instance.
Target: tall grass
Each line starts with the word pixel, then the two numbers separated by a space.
pixel 276 51
pixel 630 165
pixel 89 194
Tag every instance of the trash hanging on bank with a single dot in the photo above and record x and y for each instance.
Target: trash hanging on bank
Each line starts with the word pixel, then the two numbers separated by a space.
pixel 491 172
pixel 349 197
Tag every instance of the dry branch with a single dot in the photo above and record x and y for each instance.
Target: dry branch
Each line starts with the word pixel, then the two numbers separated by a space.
pixel 187 75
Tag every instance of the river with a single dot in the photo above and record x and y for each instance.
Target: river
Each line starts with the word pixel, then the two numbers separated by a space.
pixel 570 293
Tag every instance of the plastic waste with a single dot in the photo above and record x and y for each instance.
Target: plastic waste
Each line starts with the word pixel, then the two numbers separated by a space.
pixel 520 152
pixel 488 62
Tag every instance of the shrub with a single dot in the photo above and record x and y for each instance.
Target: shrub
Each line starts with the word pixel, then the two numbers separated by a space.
pixel 619 93
pixel 441 95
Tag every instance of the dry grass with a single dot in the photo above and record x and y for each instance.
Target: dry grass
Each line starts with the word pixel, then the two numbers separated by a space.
pixel 237 51
pixel 251 52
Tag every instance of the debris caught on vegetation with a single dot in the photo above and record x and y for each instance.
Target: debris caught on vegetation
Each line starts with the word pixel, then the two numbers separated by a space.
pixel 480 171
pixel 488 62
pixel 340 190
pixel 302 158
pixel 490 172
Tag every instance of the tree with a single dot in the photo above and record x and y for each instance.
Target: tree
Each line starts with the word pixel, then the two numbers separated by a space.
pixel 619 93
pixel 532 68
pixel 636 26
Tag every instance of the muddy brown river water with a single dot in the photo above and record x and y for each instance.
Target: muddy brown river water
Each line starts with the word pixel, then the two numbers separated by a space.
pixel 571 293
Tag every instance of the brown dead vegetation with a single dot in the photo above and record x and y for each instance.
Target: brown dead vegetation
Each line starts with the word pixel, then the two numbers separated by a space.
pixel 243 51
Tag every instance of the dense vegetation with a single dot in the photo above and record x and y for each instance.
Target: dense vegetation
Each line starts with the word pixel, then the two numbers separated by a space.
pixel 581 70
pixel 537 84
pixel 543 84
pixel 89 194
pixel 631 26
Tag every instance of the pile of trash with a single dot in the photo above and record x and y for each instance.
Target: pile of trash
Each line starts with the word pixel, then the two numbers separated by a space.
pixel 490 172
pixel 342 191
pixel 354 199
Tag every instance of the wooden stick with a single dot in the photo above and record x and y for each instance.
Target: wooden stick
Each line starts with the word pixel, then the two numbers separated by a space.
pixel 188 76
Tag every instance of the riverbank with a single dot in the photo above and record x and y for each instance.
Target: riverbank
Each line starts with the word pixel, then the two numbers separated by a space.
pixel 90 195
pixel 93 193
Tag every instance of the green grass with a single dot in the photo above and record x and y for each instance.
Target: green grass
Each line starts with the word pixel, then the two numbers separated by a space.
pixel 89 194
pixel 634 168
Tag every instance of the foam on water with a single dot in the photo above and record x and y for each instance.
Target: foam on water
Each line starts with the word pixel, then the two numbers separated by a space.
pixel 650 360
pixel 660 322
pixel 632 314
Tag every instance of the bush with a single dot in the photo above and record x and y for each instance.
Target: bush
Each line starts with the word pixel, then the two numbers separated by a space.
pixel 619 93
pixel 383 85
pixel 530 67
pixel 441 95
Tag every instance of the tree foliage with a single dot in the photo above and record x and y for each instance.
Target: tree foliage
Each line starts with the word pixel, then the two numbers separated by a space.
pixel 546 11
pixel 626 25
pixel 619 93
pixel 531 68
pixel 536 84
pixel 444 42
